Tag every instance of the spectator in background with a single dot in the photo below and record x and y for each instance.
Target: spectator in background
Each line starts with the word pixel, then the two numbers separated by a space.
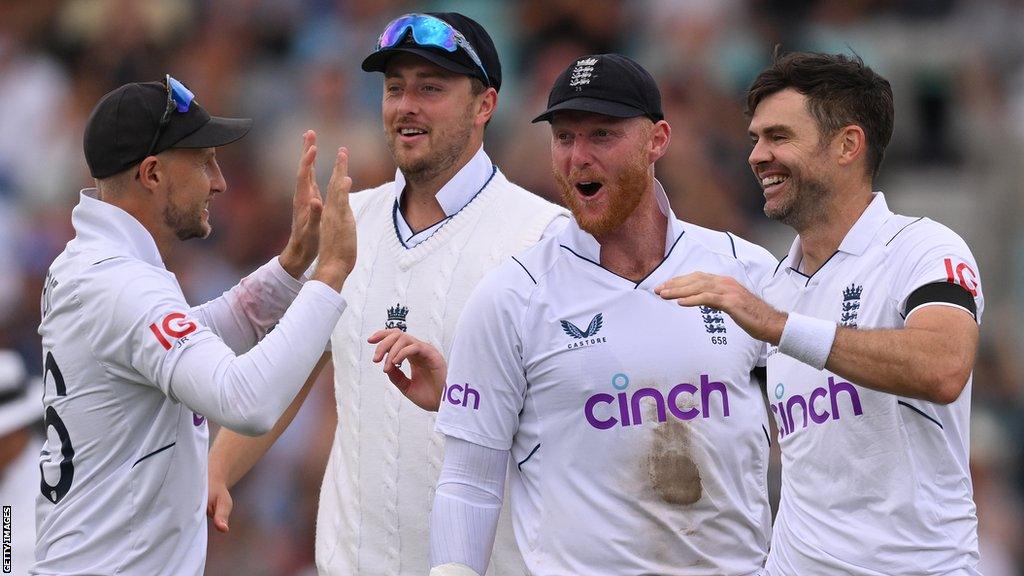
pixel 20 415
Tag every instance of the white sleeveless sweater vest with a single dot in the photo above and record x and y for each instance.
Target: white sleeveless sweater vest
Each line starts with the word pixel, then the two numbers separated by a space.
pixel 379 485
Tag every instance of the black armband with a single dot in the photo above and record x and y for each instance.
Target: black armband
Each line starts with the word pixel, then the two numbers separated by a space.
pixel 944 292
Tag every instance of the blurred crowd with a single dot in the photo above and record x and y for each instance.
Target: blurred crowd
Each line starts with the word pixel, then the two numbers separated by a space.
pixel 956 66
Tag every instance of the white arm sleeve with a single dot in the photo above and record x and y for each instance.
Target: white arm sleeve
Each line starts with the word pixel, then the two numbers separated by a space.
pixel 467 504
pixel 243 315
pixel 248 393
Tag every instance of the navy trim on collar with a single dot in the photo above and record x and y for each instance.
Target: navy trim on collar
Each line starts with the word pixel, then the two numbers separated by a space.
pixel 641 281
pixel 394 212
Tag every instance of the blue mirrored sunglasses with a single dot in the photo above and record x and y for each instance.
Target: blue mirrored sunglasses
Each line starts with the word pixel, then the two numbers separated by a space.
pixel 428 31
pixel 178 98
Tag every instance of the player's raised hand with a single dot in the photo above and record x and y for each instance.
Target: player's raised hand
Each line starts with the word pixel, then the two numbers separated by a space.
pixel 428 369
pixel 307 206
pixel 219 505
pixel 724 293
pixel 337 228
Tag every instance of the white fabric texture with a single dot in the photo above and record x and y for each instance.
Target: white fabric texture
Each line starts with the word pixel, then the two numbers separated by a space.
pixel 251 391
pixel 252 307
pixel 453 570
pixel 807 339
pixel 638 433
pixel 467 504
pixel 452 197
pixel 872 483
pixel 131 372
pixel 379 485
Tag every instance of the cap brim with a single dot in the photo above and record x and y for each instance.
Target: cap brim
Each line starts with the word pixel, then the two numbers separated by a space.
pixel 23 411
pixel 595 105
pixel 217 132
pixel 378 61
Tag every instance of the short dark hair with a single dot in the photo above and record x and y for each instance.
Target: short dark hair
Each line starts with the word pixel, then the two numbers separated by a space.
pixel 841 90
pixel 476 86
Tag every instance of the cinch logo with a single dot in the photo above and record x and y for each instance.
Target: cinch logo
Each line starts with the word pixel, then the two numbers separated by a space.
pixel 173 327
pixel 784 410
pixel 464 392
pixel 681 403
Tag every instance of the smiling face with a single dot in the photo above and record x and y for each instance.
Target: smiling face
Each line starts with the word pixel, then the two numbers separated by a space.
pixel 431 117
pixel 195 177
pixel 790 159
pixel 603 166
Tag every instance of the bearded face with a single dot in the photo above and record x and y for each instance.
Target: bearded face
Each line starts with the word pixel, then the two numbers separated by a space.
pixel 602 167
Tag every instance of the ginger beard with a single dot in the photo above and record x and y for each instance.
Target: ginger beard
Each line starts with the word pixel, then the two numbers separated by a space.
pixel 620 201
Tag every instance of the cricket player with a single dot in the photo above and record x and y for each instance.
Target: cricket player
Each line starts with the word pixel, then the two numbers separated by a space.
pixel 425 240
pixel 637 431
pixel 132 372
pixel 873 322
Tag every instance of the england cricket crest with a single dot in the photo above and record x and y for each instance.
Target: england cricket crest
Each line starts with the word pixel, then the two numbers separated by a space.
pixel 851 305
pixel 714 322
pixel 396 317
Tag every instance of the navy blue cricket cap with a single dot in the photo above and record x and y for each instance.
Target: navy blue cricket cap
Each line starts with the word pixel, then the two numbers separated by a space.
pixel 609 84
pixel 123 123
pixel 458 61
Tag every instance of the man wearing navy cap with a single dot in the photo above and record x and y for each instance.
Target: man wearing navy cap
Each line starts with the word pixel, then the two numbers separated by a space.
pixel 425 240
pixel 131 371
pixel 636 429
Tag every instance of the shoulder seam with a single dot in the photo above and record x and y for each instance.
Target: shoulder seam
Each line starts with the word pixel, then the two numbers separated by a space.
pixel 904 228
pixel 779 265
pixel 733 243
pixel 525 269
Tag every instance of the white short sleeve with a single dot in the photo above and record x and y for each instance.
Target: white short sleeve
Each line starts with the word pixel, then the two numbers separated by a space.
pixel 927 252
pixel 486 382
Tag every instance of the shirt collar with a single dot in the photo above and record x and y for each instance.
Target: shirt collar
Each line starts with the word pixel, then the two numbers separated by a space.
pixel 102 222
pixel 587 246
pixel 859 238
pixel 458 191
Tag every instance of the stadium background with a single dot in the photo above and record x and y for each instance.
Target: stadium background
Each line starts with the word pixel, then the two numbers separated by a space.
pixel 957 69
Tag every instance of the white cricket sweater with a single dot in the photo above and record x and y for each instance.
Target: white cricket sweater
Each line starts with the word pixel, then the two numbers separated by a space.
pixel 374 513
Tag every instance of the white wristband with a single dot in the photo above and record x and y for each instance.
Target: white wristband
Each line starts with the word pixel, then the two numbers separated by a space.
pixel 807 339
pixel 452 569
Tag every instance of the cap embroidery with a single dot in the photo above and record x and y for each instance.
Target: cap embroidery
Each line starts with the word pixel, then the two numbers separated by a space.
pixel 582 73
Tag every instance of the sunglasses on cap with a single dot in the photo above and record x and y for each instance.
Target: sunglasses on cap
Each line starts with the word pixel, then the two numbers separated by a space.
pixel 178 98
pixel 428 31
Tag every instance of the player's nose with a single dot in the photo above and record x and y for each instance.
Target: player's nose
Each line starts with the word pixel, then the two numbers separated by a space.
pixel 759 154
pixel 218 183
pixel 581 154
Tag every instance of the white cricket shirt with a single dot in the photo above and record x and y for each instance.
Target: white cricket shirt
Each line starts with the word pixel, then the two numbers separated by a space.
pixel 124 467
pixel 637 432
pixel 872 483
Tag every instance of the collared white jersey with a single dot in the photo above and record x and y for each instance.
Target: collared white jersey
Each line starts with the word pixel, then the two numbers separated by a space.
pixel 124 479
pixel 637 433
pixel 873 484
